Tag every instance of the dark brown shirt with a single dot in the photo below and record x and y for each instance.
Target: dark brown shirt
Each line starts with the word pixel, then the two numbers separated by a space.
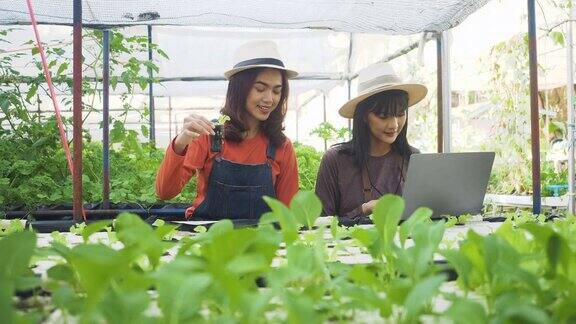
pixel 339 185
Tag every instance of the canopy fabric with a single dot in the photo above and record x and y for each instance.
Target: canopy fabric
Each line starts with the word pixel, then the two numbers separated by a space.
pixel 376 16
pixel 323 58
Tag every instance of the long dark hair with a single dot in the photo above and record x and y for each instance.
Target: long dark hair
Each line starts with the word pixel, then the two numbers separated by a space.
pixel 239 87
pixel 387 103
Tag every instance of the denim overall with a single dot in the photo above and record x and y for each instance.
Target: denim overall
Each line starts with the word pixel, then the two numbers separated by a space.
pixel 235 190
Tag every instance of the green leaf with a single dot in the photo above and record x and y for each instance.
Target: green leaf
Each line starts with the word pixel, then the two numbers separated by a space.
pixel 460 263
pixel 419 216
pixel 248 263
pixel 303 262
pixel 95 227
pixel 32 91
pixel 162 53
pixel 61 272
pixel 398 290
pixel 62 68
pixel 557 37
pixel 426 238
pixel 118 132
pixel 127 80
pixel 223 119
pixel 4 105
pixel 221 227
pixel 143 83
pixel 165 231
pixel 258 303
pixel 40 142
pixel 386 216
pixel 96 265
pixel 360 275
pixel 6 308
pixel 541 233
pixel 16 250
pixel 113 82
pixel 464 311
pixel 35 50
pixel 512 307
pixel 27 283
pixel 144 130
pixel 364 236
pixel 421 294
pixel 121 307
pixel 286 218
pixel 558 253
pixel 306 207
pixel 134 233
pixel 267 218
pixel 200 229
pixel 181 291
pixel 66 298
pixel 300 308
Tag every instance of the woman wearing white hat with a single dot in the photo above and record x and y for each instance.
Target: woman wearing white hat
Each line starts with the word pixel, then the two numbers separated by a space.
pixel 254 159
pixel 354 174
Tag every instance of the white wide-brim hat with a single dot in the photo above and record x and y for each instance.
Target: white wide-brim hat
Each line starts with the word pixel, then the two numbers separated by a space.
pixel 258 54
pixel 378 78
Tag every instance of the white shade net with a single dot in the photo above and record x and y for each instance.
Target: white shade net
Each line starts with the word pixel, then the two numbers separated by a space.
pixel 376 16
pixel 325 41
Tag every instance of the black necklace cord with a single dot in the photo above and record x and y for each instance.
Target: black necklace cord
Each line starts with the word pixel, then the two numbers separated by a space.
pixel 401 177
pixel 397 185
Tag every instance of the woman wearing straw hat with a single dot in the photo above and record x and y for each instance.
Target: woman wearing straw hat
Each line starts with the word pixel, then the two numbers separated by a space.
pixel 254 159
pixel 354 174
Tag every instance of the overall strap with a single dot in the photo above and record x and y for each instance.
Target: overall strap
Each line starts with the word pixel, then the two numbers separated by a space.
pixel 270 151
pixel 366 184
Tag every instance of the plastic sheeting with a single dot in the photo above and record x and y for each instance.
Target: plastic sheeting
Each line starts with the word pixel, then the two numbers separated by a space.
pixel 197 53
pixel 376 16
pixel 323 58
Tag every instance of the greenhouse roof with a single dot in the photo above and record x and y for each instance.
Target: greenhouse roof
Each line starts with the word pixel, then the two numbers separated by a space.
pixel 375 16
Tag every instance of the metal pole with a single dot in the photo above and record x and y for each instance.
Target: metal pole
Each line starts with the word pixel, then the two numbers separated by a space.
pixel 170 118
pixel 297 123
pixel 439 93
pixel 446 93
pixel 570 110
pixel 106 120
pixel 176 123
pixel 324 117
pixel 534 113
pixel 349 119
pixel 77 110
pixel 151 89
pixel 349 72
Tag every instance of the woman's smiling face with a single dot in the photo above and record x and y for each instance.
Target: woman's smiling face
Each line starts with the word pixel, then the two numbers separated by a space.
pixel 385 129
pixel 265 94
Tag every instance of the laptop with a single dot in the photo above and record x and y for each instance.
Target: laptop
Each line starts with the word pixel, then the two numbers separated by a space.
pixel 448 183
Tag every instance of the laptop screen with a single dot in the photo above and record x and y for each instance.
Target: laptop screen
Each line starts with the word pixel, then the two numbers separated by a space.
pixel 448 183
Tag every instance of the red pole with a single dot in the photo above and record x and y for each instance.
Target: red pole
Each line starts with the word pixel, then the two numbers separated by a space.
pixel 63 137
pixel 77 109
pixel 534 113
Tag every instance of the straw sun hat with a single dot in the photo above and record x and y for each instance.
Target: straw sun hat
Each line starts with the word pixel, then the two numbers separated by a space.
pixel 258 54
pixel 378 78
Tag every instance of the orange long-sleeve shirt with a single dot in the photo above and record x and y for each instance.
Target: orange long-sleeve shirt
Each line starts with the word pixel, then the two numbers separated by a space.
pixel 176 170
